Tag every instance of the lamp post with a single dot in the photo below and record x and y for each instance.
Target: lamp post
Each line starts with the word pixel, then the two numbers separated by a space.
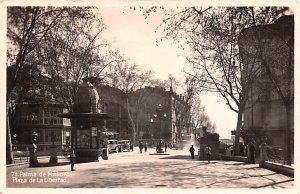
pixel 152 126
pixel 160 115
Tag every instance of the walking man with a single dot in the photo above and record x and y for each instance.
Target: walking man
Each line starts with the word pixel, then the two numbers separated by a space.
pixel 192 150
pixel 252 152
pixel 72 159
pixel 146 147
pixel 131 146
pixel 208 152
pixel 141 147
pixel 166 146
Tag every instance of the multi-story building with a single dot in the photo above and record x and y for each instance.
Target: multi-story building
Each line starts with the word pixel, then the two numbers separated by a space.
pixel 270 108
pixel 114 101
pixel 155 113
pixel 43 119
pixel 159 114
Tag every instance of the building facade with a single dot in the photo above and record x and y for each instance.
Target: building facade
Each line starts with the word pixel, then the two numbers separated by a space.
pixel 155 113
pixel 159 114
pixel 43 119
pixel 270 107
pixel 114 102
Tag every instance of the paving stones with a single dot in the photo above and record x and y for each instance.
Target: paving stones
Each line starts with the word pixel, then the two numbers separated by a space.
pixel 147 170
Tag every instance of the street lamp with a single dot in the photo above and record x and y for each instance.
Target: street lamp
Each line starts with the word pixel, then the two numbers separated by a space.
pixel 152 126
pixel 160 115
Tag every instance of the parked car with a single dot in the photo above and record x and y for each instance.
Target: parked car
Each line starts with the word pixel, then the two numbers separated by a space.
pixel 124 145
pixel 112 145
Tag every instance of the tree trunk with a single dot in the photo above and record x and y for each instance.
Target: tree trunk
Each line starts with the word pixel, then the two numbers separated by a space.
pixel 288 134
pixel 288 110
pixel 238 132
pixel 131 120
pixel 179 129
pixel 9 151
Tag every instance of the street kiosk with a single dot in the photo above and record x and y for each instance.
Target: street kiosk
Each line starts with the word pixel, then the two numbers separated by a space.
pixel 88 124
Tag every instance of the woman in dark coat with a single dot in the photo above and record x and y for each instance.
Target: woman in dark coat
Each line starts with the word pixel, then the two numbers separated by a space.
pixel 192 150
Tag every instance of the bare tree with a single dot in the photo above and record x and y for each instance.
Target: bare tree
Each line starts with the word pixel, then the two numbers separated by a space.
pixel 210 35
pixel 70 53
pixel 27 27
pixel 199 117
pixel 129 78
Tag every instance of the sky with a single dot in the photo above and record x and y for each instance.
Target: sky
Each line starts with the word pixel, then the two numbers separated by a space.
pixel 132 35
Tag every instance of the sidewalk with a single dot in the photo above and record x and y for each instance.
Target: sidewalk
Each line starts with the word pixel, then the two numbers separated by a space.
pixel 135 170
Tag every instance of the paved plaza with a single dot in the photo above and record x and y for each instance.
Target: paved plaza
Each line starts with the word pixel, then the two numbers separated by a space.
pixel 174 169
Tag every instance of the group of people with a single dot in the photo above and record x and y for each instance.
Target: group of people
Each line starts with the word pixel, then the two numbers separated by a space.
pixel 141 147
pixel 145 146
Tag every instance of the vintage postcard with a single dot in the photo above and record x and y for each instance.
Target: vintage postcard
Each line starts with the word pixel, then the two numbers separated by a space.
pixel 149 96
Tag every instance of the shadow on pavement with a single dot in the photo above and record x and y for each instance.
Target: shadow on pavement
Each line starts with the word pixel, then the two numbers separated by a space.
pixel 187 157
pixel 273 184
pixel 172 174
pixel 252 168
pixel 247 176
pixel 42 165
pixel 177 157
pixel 234 163
pixel 170 177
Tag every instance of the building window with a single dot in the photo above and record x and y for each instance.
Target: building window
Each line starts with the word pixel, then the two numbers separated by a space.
pixel 51 116
pixel 47 120
pixel 49 133
pixel 47 136
pixel 40 135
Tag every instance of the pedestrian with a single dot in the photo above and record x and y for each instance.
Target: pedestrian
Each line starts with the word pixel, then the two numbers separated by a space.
pixel 72 159
pixel 141 147
pixel 252 152
pixel 208 152
pixel 245 150
pixel 231 150
pixel 157 147
pixel 166 146
pixel 131 146
pixel 192 150
pixel 146 147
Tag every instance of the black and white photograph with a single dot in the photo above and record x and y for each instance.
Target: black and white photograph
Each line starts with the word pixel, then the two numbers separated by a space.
pixel 148 95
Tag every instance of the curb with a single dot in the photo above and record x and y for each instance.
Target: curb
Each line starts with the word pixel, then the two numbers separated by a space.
pixel 17 164
pixel 279 168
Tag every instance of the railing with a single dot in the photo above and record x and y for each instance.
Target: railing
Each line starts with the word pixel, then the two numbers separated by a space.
pixel 21 151
pixel 276 154
pixel 44 149
pixel 273 158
